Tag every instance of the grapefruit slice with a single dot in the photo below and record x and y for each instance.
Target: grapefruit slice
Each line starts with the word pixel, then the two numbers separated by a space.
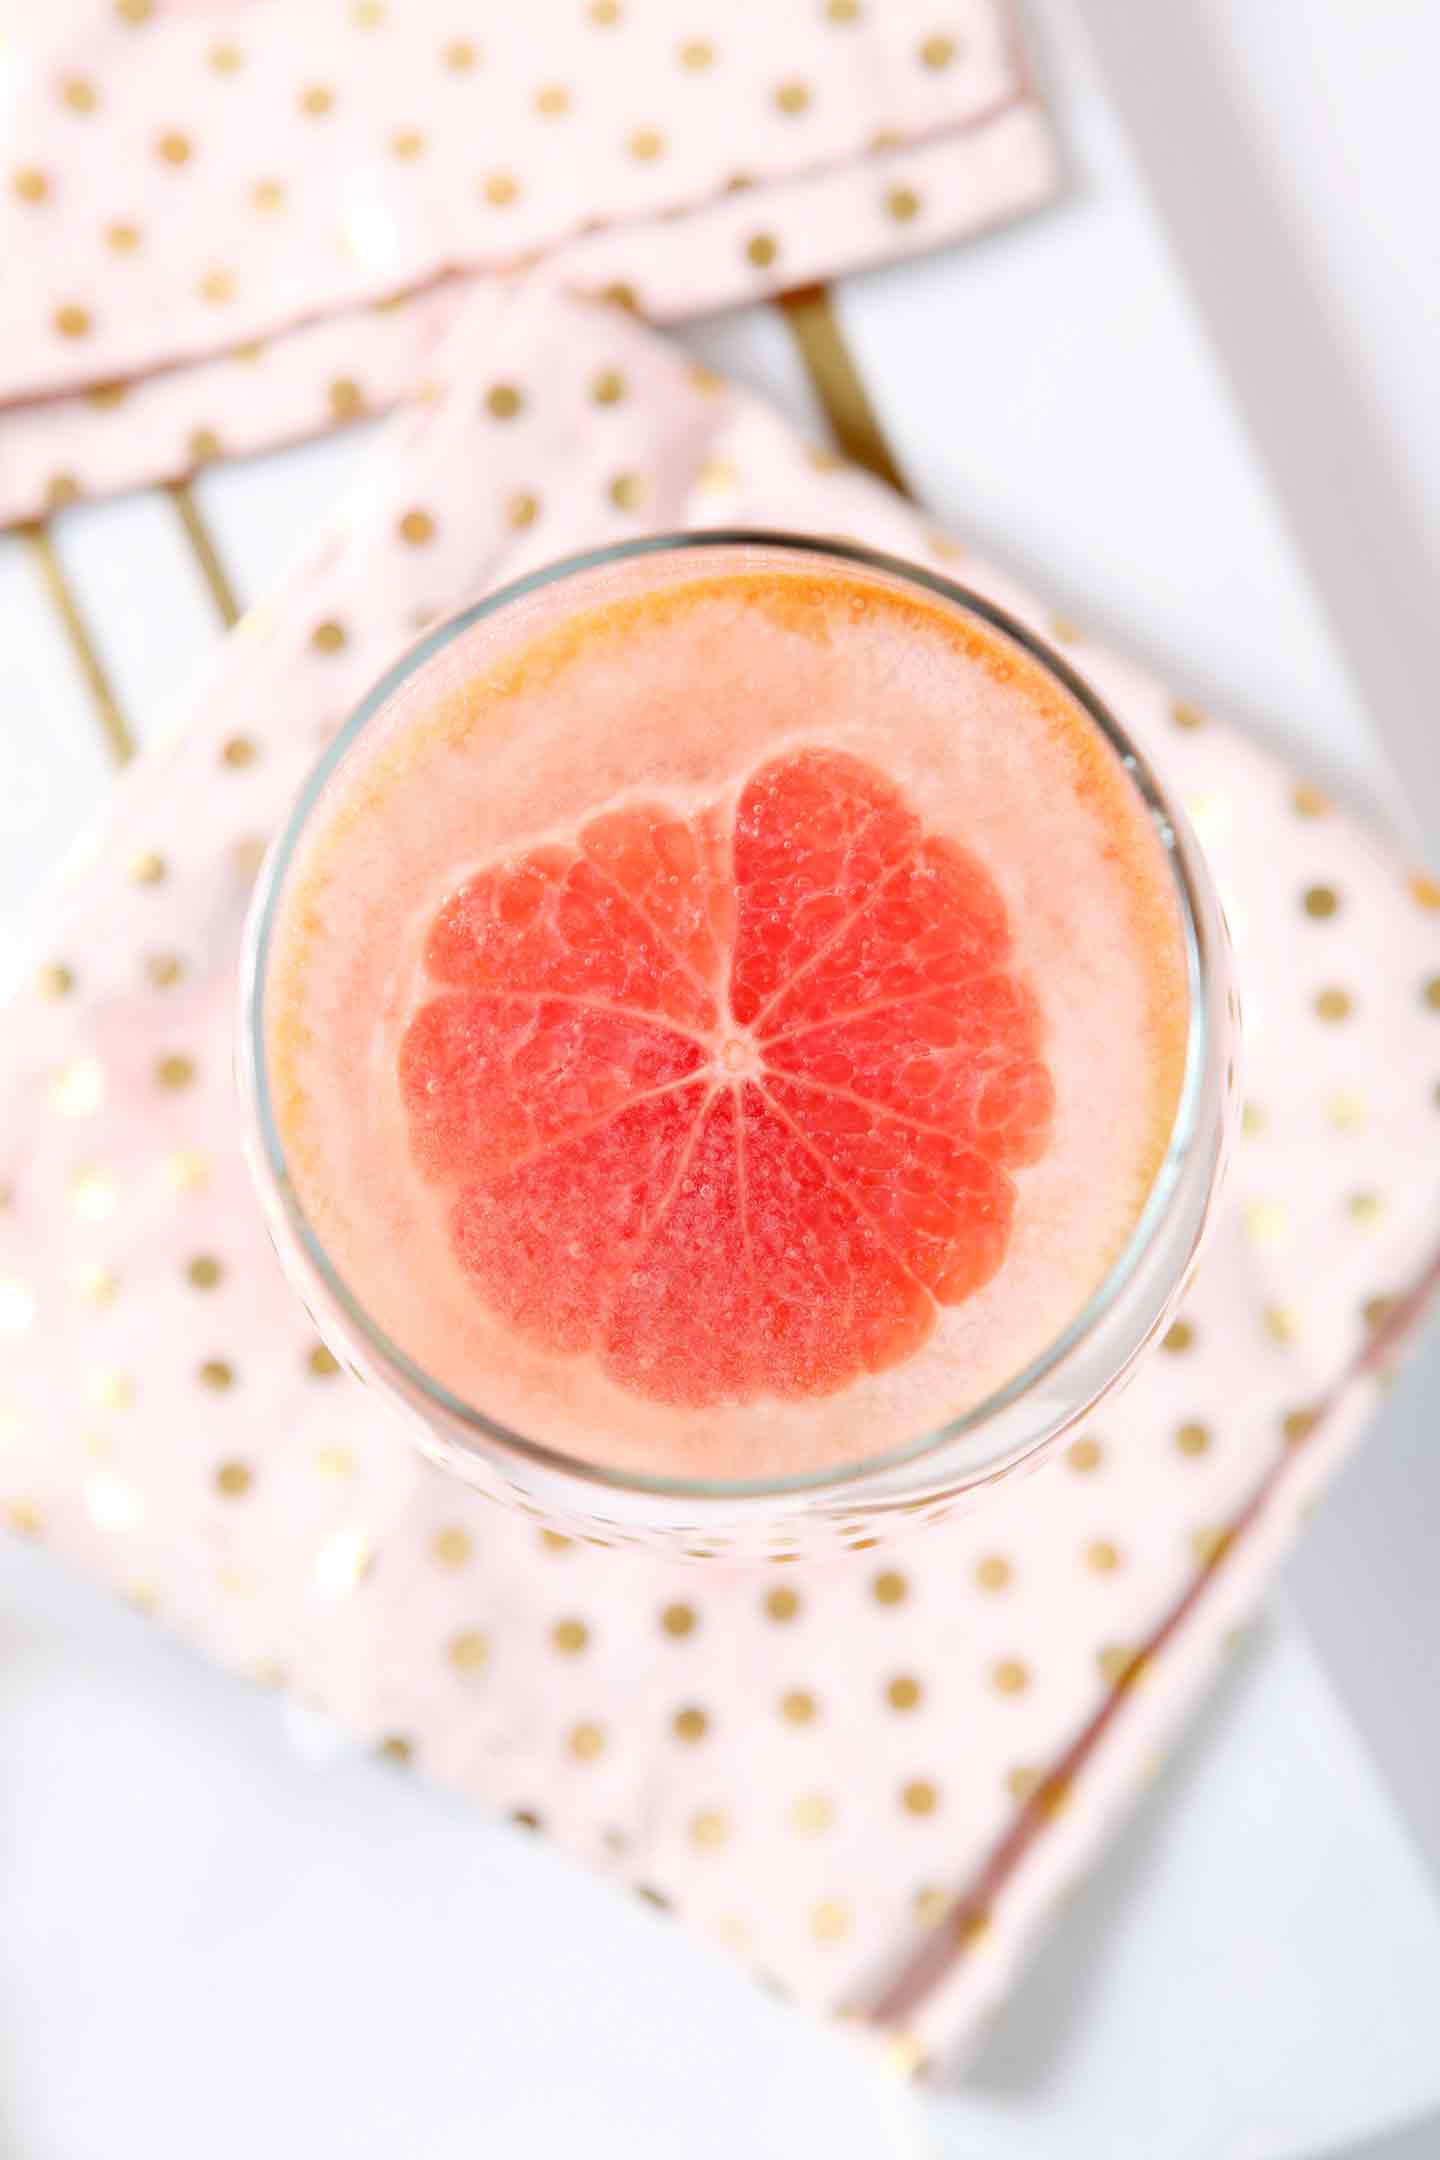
pixel 730 1102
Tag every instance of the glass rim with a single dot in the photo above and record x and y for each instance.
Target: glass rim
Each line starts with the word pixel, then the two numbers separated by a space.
pixel 1185 1125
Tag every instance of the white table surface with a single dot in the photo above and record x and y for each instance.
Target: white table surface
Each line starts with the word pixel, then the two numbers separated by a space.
pixel 1194 402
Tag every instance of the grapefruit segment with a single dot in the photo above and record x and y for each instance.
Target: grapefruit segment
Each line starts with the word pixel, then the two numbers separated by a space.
pixel 487 1080
pixel 814 835
pixel 549 1243
pixel 728 1101
pixel 552 921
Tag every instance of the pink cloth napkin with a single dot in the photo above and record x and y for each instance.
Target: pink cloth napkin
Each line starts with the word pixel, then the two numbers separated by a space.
pixel 870 1777
pixel 185 182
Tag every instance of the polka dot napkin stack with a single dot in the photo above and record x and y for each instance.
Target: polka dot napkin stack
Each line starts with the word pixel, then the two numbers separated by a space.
pixel 182 182
pixel 868 1777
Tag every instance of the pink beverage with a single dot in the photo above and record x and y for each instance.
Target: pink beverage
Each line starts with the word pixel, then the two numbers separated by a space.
pixel 725 1017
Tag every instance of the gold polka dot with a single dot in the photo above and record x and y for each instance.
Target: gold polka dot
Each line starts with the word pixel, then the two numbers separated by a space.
pixel 468 1651
pixel 552 102
pixel 1084 1455
pixel 233 1479
pixel 267 196
pixel 123 239
pixel 1297 1425
pixel 173 148
pixel 604 13
pixel 31 185
pixel 503 401
pixel 217 287
pixel 937 52
pixel 586 1741
pixel 717 476
pixel 1192 1439
pixel 830 1921
pixel 24 1517
pixel 347 399
pixel 1023 1782
pixel 622 295
pixel 1252 1120
pixel 203 445
pixel 322 1363
pixel 1431 993
pixel 61 489
pixel 645 145
pixel 903 1692
pixel 522 509
pixel 889 1588
pixel 1309 802
pixel 1346 1111
pixel 1365 1208
pixel 569 1637
pixel 134 12
pixel 798 1707
pixel 460 56
pixel 1186 716
pixel 187 1171
pixel 696 54
pixel 239 752
pixel 407 144
pixel 499 189
pixel 608 387
pixel 175 1071
pixel 792 99
pixel 203 1272
pixel 709 1830
pixel 843 12
pixel 1424 891
pixel 1009 1677
pixel 1281 1323
pixel 781 1604
pixel 93 1192
pixel 678 1621
pixel 416 527
pixel 919 1797
pixel 1321 902
pixel 1377 1310
pixel 55 981
pixel 72 320
pixel 811 1814
pixel 396 1748
pixel 1266 1223
pixel 328 637
pixel 451 1547
pixel 225 58
pixel 761 249
pixel 216 1374
pixel 78 93
pixel 902 204
pixel 78 1088
pixel 317 100
pixel 334 1462
pixel 628 490
pixel 367 14
pixel 99 1286
pixel 1178 1338
pixel 993 1572
pixel 1102 1556
pixel 690 1724
pixel 554 1542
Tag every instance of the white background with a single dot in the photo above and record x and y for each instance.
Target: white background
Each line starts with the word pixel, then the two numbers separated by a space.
pixel 1195 402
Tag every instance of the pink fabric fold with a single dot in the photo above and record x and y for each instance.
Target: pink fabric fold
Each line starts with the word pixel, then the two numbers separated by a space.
pixel 226 226
pixel 871 1776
